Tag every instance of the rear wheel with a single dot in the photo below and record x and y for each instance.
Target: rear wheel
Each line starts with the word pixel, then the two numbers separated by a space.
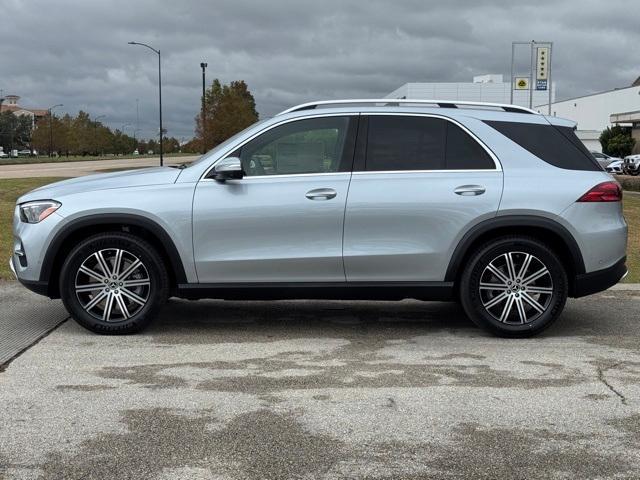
pixel 113 283
pixel 514 287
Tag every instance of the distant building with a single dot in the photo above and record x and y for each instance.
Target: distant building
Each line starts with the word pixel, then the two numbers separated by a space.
pixel 595 112
pixel 484 88
pixel 10 104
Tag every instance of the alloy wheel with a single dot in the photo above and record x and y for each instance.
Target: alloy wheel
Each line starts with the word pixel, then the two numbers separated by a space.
pixel 516 288
pixel 112 285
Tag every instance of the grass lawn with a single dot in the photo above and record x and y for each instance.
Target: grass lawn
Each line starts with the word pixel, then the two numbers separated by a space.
pixel 11 189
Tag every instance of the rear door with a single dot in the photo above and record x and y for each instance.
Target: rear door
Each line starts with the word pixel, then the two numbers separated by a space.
pixel 419 183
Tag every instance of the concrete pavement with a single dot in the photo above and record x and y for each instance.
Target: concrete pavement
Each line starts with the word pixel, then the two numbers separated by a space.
pixel 24 318
pixel 264 390
pixel 78 169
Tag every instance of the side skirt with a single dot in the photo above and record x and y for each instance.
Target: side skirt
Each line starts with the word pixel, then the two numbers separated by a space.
pixel 327 291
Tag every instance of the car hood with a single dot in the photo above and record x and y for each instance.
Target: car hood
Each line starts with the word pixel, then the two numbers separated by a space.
pixel 103 181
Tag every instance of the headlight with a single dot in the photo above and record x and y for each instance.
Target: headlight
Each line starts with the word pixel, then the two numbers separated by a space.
pixel 35 212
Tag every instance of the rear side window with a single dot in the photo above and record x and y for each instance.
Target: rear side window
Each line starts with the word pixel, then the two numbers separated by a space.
pixel 405 143
pixel 558 146
pixel 401 143
pixel 465 153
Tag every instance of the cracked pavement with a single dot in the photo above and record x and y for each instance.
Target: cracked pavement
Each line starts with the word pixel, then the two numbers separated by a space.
pixel 332 390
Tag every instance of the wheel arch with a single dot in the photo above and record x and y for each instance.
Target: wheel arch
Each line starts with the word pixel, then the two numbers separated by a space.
pixel 81 228
pixel 545 229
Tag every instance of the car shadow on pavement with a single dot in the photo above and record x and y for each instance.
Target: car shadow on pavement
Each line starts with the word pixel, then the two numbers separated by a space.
pixel 304 317
pixel 587 317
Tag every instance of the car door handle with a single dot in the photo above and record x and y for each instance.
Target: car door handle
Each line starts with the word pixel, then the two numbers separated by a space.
pixel 321 194
pixel 469 190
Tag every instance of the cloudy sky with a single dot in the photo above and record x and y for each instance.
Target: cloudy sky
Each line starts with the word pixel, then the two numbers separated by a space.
pixel 75 52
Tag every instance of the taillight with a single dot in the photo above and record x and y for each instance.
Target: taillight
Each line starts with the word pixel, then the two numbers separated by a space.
pixel 603 192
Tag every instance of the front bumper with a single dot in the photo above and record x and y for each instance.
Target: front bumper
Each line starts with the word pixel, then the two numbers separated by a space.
pixel 41 288
pixel 593 282
pixel 13 269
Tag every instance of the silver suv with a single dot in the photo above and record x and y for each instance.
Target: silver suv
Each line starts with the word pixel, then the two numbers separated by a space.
pixel 495 206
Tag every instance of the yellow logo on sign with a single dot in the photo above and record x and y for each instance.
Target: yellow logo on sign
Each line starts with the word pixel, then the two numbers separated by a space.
pixel 522 83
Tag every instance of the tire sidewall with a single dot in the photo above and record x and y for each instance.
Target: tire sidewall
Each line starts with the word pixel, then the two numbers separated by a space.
pixel 158 289
pixel 470 282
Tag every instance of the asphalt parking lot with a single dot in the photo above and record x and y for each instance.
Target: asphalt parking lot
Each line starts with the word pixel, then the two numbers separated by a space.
pixel 262 390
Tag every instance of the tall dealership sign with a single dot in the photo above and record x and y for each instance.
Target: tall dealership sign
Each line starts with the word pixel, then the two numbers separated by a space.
pixel 539 75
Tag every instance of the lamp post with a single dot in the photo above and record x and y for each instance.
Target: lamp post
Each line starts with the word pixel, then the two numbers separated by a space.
pixel 95 133
pixel 159 93
pixel 204 128
pixel 51 127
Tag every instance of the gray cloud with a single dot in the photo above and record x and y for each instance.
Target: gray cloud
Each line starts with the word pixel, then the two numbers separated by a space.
pixel 288 51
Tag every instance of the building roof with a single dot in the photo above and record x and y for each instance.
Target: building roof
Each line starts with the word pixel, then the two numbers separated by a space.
pixel 594 94
pixel 38 112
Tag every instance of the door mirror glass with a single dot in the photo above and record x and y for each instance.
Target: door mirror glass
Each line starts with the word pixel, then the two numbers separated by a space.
pixel 227 169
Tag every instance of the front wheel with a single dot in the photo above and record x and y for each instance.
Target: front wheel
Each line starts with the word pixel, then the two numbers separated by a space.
pixel 113 283
pixel 514 287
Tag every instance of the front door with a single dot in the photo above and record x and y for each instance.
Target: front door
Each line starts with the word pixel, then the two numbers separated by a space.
pixel 283 221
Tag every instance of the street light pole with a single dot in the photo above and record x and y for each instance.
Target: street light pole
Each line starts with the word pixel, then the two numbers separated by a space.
pixel 204 127
pixel 51 128
pixel 157 52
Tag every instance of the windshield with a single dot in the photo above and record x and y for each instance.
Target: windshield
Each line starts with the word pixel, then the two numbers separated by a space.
pixel 214 151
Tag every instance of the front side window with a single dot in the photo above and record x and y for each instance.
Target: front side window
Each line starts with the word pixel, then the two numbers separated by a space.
pixel 314 145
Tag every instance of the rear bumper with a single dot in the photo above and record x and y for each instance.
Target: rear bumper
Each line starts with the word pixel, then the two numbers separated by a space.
pixel 600 280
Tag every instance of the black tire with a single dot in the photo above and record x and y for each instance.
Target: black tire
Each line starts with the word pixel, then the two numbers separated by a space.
pixel 154 288
pixel 492 317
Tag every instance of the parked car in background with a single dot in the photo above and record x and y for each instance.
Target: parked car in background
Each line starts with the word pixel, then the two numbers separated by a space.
pixel 356 199
pixel 3 155
pixel 26 153
pixel 632 164
pixel 616 167
pixel 603 159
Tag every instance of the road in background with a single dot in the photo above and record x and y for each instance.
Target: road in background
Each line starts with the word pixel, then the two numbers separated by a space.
pixel 321 389
pixel 78 169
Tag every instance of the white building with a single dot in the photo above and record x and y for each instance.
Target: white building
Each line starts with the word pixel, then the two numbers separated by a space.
pixel 484 88
pixel 594 113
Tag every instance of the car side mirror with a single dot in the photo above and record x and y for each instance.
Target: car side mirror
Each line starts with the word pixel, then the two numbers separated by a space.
pixel 227 169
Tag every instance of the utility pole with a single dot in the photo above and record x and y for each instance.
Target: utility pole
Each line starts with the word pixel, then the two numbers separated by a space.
pixel 204 118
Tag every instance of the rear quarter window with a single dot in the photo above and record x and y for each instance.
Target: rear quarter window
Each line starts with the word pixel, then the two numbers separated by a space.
pixel 558 146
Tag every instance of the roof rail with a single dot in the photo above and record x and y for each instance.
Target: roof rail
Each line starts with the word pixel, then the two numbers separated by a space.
pixel 397 101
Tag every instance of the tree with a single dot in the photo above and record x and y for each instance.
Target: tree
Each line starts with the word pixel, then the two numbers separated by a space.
pixel 15 131
pixel 617 141
pixel 228 110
